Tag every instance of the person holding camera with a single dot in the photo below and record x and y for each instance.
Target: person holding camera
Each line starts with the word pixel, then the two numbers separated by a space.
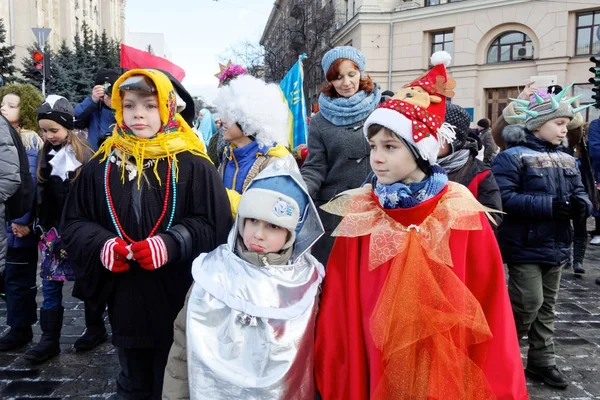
pixel 95 112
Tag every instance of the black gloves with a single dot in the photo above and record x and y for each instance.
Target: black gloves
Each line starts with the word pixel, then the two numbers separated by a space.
pixel 561 209
pixel 578 208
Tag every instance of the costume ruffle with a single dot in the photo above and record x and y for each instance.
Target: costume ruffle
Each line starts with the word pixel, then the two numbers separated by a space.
pixel 425 319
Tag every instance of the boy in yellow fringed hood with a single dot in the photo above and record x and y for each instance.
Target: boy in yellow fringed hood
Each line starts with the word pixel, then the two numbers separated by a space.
pixel 141 211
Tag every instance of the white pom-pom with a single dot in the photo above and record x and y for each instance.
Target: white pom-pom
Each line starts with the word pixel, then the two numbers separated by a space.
pixel 441 57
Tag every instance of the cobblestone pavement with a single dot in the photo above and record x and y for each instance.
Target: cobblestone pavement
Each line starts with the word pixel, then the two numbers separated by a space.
pixel 92 375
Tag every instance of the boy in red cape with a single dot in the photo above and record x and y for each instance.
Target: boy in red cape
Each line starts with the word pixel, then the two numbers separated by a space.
pixel 415 304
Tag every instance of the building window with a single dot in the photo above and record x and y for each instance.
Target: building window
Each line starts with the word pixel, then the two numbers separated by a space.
pixel 506 45
pixel 442 41
pixel 431 3
pixel 588 32
pixel 585 90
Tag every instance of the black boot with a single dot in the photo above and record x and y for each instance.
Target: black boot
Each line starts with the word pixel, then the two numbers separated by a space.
pixel 579 246
pixel 15 338
pixel 95 332
pixel 51 322
pixel 549 375
pixel 92 337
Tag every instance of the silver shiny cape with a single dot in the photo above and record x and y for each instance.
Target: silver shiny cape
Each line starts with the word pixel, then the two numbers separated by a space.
pixel 250 329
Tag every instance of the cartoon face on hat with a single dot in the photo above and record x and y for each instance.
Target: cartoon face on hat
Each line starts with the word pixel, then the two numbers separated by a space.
pixel 422 104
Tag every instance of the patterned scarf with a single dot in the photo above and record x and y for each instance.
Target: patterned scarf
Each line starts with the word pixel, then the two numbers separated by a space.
pixel 174 137
pixel 341 111
pixel 399 195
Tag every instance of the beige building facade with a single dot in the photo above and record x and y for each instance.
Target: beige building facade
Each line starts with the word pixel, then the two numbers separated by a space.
pixel 496 45
pixel 64 17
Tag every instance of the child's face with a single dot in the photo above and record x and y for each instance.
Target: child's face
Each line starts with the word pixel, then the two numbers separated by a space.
pixel 231 132
pixel 11 109
pixel 553 131
pixel 392 161
pixel 263 237
pixel 53 132
pixel 140 113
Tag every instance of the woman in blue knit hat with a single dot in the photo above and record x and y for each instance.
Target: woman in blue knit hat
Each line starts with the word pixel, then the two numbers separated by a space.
pixel 338 155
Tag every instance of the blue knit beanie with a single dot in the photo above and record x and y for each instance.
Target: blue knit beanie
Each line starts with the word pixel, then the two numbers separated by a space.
pixel 348 52
pixel 278 200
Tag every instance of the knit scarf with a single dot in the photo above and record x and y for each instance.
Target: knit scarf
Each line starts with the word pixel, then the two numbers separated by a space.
pixel 342 111
pixel 400 195
pixel 174 137
pixel 455 161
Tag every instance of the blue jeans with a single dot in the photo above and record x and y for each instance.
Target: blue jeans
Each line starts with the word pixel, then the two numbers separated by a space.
pixel 19 278
pixel 52 294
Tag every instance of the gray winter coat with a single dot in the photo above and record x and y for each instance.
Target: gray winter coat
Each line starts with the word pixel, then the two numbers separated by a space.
pixel 338 160
pixel 10 179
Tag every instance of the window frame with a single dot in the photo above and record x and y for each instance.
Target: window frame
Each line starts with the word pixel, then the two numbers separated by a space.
pixel 443 32
pixel 496 43
pixel 428 3
pixel 595 16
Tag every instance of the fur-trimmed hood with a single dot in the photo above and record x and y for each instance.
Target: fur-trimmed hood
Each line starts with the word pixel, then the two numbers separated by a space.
pixel 517 135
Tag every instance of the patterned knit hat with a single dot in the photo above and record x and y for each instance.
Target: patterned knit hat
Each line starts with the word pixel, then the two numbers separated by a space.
pixel 540 110
pixel 347 52
pixel 460 119
pixel 421 126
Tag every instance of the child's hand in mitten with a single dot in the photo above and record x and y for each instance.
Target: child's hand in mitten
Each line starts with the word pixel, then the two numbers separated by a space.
pixel 114 255
pixel 151 253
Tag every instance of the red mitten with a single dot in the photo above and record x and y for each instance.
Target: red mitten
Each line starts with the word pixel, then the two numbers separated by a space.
pixel 114 255
pixel 151 253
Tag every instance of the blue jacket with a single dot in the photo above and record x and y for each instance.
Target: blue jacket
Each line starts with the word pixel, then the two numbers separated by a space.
pixel 32 156
pixel 530 174
pixel 594 146
pixel 238 163
pixel 96 117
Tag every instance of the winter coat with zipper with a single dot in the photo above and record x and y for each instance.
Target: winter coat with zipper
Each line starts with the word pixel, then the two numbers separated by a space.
pixel 593 134
pixel 33 143
pixel 10 179
pixel 531 173
pixel 96 117
pixel 338 160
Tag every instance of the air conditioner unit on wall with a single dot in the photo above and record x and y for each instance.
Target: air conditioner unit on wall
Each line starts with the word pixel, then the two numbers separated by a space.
pixel 523 52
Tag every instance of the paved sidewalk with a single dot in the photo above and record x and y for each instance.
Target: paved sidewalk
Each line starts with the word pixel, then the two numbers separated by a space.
pixel 92 375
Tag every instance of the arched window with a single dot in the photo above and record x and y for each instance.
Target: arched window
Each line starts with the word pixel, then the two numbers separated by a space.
pixel 504 47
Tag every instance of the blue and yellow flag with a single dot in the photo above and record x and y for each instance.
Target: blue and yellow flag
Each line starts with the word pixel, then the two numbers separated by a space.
pixel 293 91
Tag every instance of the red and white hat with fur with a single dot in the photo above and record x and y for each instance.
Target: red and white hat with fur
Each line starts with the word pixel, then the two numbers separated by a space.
pixel 417 112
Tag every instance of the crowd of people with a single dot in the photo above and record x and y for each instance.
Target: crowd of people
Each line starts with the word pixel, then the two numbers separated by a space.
pixel 369 266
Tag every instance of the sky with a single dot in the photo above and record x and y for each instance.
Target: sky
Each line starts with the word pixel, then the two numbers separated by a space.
pixel 198 31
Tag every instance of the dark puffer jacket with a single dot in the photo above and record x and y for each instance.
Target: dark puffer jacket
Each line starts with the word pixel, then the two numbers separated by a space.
pixel 530 174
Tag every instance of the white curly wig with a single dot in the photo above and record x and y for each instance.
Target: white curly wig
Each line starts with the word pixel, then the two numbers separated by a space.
pixel 257 106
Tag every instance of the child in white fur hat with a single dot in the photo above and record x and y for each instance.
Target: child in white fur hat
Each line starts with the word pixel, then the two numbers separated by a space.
pixel 247 328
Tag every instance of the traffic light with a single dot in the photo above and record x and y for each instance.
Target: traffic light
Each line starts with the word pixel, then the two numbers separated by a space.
pixel 595 80
pixel 38 60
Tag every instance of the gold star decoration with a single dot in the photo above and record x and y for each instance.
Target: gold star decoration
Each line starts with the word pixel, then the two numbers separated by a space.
pixel 222 68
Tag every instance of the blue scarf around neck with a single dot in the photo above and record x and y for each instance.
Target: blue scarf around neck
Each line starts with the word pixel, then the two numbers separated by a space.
pixel 400 195
pixel 342 111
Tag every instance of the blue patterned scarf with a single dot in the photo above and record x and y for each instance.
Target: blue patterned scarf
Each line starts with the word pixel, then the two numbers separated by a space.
pixel 342 111
pixel 399 195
